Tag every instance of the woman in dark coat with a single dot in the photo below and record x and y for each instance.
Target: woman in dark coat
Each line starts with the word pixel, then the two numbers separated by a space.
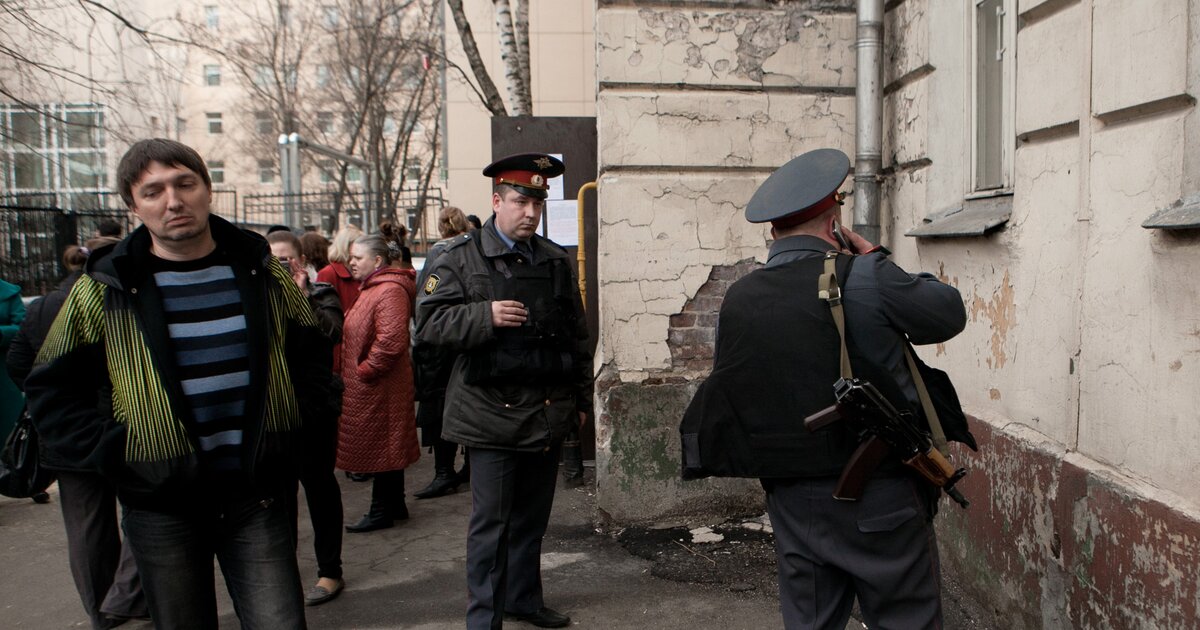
pixel 378 433
pixel 432 367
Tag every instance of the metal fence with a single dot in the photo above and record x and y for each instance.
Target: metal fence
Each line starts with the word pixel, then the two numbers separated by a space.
pixel 32 240
pixel 324 211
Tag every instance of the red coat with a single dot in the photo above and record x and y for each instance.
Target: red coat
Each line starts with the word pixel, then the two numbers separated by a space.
pixel 347 288
pixel 378 429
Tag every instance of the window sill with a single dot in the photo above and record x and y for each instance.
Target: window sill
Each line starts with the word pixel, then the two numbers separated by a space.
pixel 1184 214
pixel 977 216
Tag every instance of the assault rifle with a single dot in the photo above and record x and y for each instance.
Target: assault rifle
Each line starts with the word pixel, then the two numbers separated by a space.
pixel 887 431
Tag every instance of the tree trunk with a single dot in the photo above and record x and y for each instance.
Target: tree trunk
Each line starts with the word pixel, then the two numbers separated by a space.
pixel 521 28
pixel 491 96
pixel 517 94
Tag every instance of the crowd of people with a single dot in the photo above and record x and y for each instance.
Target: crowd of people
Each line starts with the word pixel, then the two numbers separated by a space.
pixel 197 374
pixel 188 378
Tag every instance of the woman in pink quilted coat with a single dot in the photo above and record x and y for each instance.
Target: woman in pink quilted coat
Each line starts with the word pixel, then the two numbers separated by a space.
pixel 378 432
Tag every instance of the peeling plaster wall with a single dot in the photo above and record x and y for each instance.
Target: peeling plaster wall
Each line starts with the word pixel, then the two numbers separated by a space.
pixel 695 108
pixel 1080 357
pixel 1080 360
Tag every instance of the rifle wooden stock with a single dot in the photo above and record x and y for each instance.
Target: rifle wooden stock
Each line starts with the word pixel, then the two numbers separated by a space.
pixel 857 472
pixel 823 418
pixel 932 466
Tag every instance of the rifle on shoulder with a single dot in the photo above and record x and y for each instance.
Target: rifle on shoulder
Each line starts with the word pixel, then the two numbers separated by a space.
pixel 886 430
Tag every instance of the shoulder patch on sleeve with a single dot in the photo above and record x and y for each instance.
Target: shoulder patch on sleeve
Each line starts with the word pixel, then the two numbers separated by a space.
pixel 431 284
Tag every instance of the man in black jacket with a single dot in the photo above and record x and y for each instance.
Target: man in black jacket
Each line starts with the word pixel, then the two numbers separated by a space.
pixel 182 367
pixel 777 357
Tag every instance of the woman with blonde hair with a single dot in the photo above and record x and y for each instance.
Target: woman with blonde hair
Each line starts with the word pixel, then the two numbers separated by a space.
pixel 337 273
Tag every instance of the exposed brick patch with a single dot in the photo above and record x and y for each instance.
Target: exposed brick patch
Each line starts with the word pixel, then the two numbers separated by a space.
pixel 693 331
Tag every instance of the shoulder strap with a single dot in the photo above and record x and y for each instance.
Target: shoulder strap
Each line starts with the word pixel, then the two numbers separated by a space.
pixel 935 425
pixel 829 290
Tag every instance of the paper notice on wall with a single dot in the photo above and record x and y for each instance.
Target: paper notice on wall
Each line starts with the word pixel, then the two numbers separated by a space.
pixel 556 184
pixel 562 222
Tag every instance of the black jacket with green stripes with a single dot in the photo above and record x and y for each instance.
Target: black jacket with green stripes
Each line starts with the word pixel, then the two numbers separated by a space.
pixel 105 396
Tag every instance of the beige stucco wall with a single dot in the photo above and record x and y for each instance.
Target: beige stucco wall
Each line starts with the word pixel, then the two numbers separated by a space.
pixel 1083 324
pixel 562 54
pixel 696 107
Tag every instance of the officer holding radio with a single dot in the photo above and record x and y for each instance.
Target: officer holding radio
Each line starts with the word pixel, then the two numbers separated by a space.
pixel 506 300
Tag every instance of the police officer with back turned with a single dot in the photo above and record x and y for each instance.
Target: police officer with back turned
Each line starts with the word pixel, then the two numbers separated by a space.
pixel 506 300
pixel 777 357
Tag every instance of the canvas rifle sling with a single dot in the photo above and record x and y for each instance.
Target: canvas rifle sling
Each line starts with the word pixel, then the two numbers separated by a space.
pixel 829 290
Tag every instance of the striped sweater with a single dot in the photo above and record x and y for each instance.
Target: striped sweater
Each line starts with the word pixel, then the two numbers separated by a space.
pixel 108 396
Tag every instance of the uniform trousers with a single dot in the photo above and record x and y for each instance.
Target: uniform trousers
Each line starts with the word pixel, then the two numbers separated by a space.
pixel 880 548
pixel 512 493
pixel 104 571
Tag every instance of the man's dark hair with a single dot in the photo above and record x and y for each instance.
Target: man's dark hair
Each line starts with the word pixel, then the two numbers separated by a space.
pixel 168 152
pixel 474 220
pixel 278 228
pixel 109 227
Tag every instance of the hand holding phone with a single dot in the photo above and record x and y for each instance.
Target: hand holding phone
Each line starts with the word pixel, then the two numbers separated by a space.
pixel 841 238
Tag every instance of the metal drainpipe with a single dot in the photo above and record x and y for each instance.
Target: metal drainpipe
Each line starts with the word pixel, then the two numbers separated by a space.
pixel 868 129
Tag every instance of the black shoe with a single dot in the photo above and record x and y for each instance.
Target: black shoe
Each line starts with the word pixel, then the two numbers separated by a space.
pixel 543 618
pixel 353 476
pixel 370 522
pixel 41 497
pixel 399 513
pixel 445 481
pixel 318 595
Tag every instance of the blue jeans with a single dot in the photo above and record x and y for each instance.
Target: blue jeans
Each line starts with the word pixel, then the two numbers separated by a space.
pixel 252 540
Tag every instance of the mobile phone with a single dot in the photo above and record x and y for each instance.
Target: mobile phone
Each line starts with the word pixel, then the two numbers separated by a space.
pixel 841 238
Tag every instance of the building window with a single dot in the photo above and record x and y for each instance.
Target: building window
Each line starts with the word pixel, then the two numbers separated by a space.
pixel 285 15
pixel 322 76
pixel 992 111
pixel 214 122
pixel 54 148
pixel 212 17
pixel 180 127
pixel 262 76
pixel 266 172
pixel 216 171
pixel 412 168
pixel 325 122
pixel 263 123
pixel 326 169
pixel 330 16
pixel 212 74
pixel 353 174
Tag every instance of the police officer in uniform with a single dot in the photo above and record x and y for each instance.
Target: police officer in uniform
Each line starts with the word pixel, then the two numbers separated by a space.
pixel 506 300
pixel 777 357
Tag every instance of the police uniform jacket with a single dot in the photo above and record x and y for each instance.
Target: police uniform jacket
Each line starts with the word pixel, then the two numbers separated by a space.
pixel 777 359
pixel 534 403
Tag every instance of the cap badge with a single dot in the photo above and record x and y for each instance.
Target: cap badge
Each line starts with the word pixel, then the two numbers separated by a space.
pixel 543 163
pixel 537 180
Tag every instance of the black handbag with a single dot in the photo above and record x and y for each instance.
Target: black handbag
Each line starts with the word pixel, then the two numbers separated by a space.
pixel 21 472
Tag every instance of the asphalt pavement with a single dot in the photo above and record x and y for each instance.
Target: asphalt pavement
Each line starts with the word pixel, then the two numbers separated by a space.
pixel 409 576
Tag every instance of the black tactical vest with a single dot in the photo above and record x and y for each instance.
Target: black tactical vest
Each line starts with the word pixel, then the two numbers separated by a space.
pixel 776 360
pixel 540 351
